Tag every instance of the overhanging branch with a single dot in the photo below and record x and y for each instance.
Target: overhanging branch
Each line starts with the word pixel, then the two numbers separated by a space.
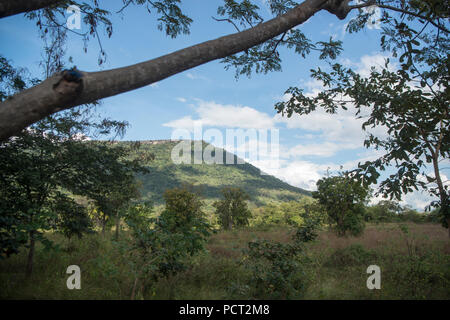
pixel 60 92
pixel 12 7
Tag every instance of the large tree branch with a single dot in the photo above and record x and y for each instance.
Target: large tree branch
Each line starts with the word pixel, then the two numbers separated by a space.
pixel 63 91
pixel 12 7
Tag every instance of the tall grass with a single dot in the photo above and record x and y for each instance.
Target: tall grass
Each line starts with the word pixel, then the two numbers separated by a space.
pixel 414 265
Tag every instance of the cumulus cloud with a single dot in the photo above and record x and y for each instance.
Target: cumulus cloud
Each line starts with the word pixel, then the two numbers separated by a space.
pixel 367 62
pixel 213 114
pixel 326 149
pixel 342 127
pixel 302 174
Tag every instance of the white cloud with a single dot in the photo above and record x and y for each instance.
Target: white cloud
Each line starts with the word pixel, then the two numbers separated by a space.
pixel 184 123
pixel 340 127
pixel 366 62
pixel 181 99
pixel 326 149
pixel 343 127
pixel 193 76
pixel 224 116
pixel 302 174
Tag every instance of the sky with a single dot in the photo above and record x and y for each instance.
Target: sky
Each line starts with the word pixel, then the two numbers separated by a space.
pixel 212 97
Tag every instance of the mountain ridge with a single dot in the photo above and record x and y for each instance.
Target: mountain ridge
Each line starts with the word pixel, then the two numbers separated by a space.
pixel 208 179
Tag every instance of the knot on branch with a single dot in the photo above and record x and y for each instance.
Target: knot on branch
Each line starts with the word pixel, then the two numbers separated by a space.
pixel 339 8
pixel 70 83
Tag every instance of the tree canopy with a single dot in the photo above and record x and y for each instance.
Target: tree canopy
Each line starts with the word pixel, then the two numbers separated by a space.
pixel 343 198
pixel 253 48
pixel 410 102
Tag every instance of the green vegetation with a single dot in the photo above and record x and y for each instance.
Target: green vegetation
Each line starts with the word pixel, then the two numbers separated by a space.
pixel 208 180
pixel 343 198
pixel 409 102
pixel 282 244
pixel 233 210
pixel 280 250
pixel 42 167
pixel 415 265
pixel 160 247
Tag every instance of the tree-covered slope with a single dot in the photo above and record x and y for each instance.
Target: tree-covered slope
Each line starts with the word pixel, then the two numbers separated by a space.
pixel 209 179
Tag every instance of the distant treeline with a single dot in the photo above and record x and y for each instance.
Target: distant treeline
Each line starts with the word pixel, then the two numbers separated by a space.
pixel 295 212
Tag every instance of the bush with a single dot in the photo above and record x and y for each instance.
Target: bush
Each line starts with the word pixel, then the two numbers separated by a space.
pixel 162 246
pixel 292 213
pixel 352 255
pixel 420 276
pixel 275 272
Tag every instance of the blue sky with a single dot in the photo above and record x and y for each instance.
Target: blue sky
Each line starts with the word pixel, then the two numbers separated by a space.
pixel 211 95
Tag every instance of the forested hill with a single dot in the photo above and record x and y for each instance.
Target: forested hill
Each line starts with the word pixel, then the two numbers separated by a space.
pixel 208 178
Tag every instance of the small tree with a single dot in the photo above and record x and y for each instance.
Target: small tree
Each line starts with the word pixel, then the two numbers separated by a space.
pixel 383 211
pixel 39 169
pixel 114 185
pixel 161 245
pixel 343 199
pixel 183 208
pixel 233 210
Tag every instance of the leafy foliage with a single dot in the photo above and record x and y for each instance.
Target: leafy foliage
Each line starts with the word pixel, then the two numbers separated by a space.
pixel 114 185
pixel 274 270
pixel 410 103
pixel 343 199
pixel 277 269
pixel 208 180
pixel 289 213
pixel 40 171
pixel 161 245
pixel 233 210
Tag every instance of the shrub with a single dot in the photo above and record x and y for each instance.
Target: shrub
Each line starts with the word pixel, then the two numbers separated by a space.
pixel 161 246
pixel 276 269
pixel 275 272
pixel 352 255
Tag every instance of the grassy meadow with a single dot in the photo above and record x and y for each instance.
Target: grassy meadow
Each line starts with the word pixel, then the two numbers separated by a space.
pixel 414 261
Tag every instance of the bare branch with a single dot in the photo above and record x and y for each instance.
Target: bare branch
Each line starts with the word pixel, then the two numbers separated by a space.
pixel 228 20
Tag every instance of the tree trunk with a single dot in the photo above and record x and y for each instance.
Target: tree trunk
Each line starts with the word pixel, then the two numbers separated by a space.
pixel 133 291
pixel 61 92
pixel 117 226
pixel 31 255
pixel 442 192
pixel 103 227
pixel 448 226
